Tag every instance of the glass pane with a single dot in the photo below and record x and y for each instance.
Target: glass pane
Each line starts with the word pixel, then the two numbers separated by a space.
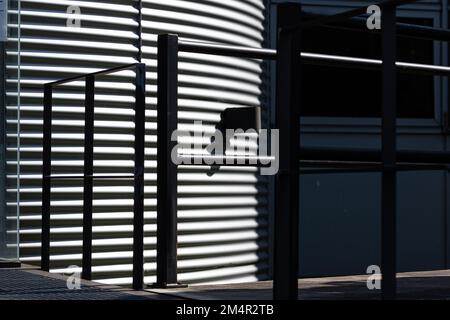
pixel 342 92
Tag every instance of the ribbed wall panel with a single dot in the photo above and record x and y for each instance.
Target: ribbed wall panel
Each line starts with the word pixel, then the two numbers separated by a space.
pixel 223 218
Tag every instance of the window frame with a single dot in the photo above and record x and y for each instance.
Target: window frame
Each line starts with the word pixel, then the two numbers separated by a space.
pixel 367 124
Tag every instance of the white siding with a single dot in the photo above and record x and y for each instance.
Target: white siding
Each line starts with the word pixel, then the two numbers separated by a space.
pixel 222 218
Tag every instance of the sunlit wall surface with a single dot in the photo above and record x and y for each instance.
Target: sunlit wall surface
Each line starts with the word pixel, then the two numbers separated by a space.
pixel 9 128
pixel 223 218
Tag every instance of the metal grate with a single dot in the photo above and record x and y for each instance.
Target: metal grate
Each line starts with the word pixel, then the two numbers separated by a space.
pixel 23 285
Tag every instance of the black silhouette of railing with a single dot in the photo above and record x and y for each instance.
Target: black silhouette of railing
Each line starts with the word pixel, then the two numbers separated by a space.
pixel 292 157
pixel 89 176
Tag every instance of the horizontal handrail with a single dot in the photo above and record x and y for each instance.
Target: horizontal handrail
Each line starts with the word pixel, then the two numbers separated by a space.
pixel 309 58
pixel 373 155
pixel 79 177
pixel 226 160
pixel 96 73
pixel 372 64
pixel 324 167
pixel 226 50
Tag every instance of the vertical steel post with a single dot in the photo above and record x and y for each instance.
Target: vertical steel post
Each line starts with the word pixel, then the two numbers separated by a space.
pixel 389 144
pixel 167 170
pixel 88 180
pixel 139 149
pixel 46 180
pixel 287 181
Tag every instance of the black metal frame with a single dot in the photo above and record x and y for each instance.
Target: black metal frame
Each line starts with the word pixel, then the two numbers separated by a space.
pixel 166 247
pixel 287 182
pixel 168 48
pixel 88 176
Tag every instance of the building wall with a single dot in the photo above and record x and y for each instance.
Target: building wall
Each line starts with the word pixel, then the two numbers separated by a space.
pixel 223 218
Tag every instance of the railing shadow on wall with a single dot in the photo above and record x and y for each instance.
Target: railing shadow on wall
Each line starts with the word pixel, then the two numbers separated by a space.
pixel 89 176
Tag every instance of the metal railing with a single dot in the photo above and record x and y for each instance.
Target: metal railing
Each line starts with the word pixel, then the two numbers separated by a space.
pixel 292 158
pixel 89 176
pixel 288 57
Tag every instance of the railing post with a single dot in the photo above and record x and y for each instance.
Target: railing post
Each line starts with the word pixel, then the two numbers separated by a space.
pixel 166 270
pixel 389 144
pixel 46 179
pixel 88 172
pixel 139 149
pixel 287 180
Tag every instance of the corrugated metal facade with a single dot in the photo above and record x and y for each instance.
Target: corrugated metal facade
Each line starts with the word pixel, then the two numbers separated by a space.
pixel 3 14
pixel 223 218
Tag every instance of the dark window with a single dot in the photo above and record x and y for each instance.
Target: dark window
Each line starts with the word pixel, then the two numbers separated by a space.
pixel 344 92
